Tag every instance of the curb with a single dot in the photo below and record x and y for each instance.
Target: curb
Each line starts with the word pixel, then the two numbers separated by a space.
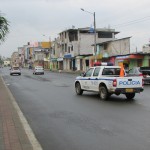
pixel 34 142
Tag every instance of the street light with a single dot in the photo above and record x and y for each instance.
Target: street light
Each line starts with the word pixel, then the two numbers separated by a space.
pixel 94 30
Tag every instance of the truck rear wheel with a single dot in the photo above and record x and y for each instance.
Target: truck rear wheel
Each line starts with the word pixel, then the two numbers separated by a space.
pixel 103 93
pixel 79 91
pixel 130 95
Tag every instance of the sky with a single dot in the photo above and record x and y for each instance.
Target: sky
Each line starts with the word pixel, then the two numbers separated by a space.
pixel 41 20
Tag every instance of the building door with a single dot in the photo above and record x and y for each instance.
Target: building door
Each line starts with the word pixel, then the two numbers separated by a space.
pixel 70 63
pixel 74 65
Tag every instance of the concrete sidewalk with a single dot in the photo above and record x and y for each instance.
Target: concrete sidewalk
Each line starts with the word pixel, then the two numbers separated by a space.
pixel 15 133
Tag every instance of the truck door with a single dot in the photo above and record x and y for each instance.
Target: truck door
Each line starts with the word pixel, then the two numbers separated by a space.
pixel 86 82
pixel 94 79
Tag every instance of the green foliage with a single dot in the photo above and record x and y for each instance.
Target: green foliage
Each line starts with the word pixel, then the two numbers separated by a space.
pixel 4 30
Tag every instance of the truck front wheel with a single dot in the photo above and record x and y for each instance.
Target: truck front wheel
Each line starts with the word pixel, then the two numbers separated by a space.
pixel 130 95
pixel 79 91
pixel 103 93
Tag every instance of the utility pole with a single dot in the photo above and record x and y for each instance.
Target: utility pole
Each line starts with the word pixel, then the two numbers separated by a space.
pixel 94 31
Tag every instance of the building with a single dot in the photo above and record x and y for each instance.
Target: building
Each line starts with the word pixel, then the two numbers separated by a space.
pixel 76 44
pixel 6 62
pixel 109 49
pixel 15 59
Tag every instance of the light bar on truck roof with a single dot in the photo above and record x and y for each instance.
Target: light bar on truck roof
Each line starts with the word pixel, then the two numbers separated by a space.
pixel 103 64
pixel 106 64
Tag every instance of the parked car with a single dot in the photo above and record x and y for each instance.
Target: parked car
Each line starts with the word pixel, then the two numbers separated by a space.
pixel 15 70
pixel 140 71
pixel 38 70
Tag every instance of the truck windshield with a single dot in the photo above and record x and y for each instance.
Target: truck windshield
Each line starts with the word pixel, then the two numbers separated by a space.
pixel 111 71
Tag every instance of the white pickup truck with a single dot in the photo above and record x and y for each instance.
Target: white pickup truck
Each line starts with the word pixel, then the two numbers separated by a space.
pixel 106 81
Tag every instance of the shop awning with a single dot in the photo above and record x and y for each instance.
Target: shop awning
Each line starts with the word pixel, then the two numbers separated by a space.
pixel 132 56
pixel 60 59
pixel 79 57
pixel 53 59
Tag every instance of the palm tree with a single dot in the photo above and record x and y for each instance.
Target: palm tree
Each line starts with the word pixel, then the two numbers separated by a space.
pixel 4 30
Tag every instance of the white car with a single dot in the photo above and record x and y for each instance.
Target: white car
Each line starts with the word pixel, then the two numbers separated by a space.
pixel 38 70
pixel 15 70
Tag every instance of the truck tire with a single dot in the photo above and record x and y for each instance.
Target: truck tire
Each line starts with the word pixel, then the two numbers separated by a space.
pixel 79 91
pixel 103 92
pixel 130 95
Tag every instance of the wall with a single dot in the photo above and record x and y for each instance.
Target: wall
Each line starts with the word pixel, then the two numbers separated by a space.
pixel 146 61
pixel 119 47
pixel 133 63
pixel 146 49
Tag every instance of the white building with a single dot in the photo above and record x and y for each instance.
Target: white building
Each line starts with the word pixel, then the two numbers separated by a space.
pixel 75 44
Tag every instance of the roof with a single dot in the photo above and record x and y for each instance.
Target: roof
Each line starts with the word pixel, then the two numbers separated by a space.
pixel 105 42
pixel 88 28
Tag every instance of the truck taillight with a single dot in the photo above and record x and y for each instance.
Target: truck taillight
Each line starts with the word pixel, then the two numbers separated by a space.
pixel 114 82
pixel 140 74
pixel 142 82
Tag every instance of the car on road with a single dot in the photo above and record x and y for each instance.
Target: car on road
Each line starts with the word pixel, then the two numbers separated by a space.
pixel 140 71
pixel 15 71
pixel 38 70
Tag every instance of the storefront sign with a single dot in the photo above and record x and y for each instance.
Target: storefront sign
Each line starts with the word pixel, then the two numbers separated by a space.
pixel 67 56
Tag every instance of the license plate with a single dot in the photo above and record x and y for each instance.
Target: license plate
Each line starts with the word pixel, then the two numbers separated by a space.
pixel 129 90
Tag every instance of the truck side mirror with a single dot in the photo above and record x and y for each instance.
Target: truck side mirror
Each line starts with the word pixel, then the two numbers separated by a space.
pixel 83 74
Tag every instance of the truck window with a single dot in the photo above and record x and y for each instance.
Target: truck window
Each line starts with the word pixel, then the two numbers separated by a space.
pixel 89 73
pixel 111 71
pixel 96 72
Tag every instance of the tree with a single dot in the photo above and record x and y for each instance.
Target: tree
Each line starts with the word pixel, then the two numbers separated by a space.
pixel 4 30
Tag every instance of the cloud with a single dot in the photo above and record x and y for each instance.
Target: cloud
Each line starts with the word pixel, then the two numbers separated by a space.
pixel 30 19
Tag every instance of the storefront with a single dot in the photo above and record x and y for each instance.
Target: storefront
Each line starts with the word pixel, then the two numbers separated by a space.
pixel 68 62
pixel 130 61
pixel 60 63
pixel 53 64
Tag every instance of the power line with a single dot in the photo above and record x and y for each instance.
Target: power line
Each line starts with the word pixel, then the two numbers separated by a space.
pixel 132 22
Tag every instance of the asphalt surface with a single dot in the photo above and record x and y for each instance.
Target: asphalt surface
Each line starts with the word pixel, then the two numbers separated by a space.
pixel 62 120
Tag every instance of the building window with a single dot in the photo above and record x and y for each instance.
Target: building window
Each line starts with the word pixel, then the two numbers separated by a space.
pixel 105 35
pixel 62 47
pixel 105 46
pixel 72 48
pixel 65 47
pixel 68 49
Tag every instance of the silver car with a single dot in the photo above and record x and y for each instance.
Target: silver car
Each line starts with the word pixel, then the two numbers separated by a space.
pixel 140 71
pixel 38 70
pixel 15 70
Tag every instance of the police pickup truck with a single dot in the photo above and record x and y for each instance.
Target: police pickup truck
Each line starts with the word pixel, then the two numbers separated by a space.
pixel 106 80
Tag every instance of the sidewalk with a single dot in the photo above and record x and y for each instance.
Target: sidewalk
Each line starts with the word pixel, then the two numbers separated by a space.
pixel 13 135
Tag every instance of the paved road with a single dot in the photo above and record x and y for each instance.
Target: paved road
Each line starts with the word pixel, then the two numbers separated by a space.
pixel 61 120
